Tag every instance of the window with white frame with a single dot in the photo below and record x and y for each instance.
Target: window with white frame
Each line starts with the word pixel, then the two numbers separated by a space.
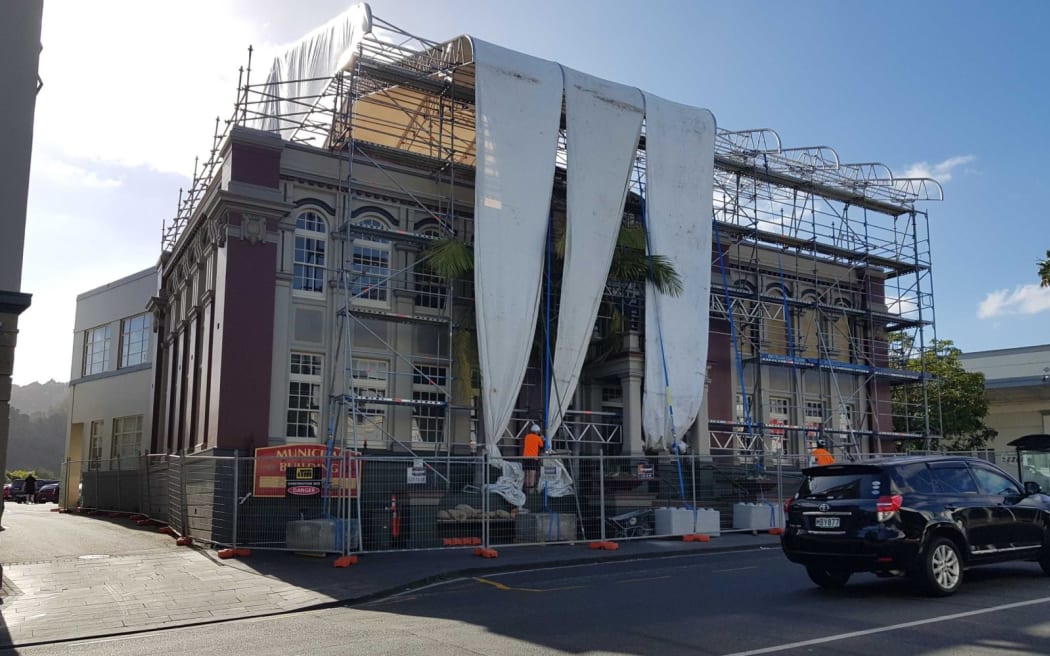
pixel 366 420
pixel 304 396
pixel 430 288
pixel 311 241
pixel 96 349
pixel 134 339
pixel 127 437
pixel 428 414
pixel 370 264
pixel 94 454
pixel 813 419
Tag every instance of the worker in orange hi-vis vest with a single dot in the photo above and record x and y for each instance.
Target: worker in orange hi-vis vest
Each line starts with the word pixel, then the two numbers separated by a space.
pixel 822 455
pixel 530 451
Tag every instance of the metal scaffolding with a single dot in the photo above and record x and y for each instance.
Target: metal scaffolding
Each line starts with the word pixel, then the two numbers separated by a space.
pixel 822 287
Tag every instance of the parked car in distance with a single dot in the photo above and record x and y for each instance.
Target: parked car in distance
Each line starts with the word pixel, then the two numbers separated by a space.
pixel 927 517
pixel 13 489
pixel 48 493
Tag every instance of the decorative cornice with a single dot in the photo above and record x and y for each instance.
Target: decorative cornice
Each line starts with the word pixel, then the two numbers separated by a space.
pixel 14 302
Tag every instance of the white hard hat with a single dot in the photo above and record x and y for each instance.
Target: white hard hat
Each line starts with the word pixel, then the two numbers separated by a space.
pixel 535 428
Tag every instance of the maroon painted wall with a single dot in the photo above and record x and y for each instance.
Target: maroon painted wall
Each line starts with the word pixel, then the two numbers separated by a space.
pixel 243 384
pixel 255 165
pixel 720 360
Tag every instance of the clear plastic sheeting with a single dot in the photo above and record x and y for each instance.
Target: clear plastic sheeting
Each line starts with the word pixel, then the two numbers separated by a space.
pixel 679 177
pixel 518 106
pixel 299 77
pixel 603 123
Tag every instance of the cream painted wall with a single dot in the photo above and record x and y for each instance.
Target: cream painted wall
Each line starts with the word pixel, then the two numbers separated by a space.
pixel 115 392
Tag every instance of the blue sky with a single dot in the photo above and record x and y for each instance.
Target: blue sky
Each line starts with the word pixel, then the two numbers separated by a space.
pixel 953 90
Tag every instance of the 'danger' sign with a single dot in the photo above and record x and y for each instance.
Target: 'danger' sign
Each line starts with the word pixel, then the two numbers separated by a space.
pixel 273 462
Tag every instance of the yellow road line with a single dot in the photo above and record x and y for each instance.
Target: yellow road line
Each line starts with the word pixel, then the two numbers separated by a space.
pixel 503 586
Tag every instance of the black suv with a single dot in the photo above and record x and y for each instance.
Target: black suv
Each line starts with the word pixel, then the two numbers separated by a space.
pixel 929 517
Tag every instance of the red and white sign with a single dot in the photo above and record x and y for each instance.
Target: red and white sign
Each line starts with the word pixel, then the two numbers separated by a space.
pixel 272 462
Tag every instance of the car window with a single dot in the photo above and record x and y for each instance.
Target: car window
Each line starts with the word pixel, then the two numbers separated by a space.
pixel 915 477
pixel 992 482
pixel 842 486
pixel 954 480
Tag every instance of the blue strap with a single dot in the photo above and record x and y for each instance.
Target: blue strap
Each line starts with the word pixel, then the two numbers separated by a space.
pixel 660 339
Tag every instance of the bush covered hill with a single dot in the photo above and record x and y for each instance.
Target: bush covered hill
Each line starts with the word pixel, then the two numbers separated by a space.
pixel 39 419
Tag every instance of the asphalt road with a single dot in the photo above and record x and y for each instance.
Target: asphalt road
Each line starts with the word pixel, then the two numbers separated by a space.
pixel 734 603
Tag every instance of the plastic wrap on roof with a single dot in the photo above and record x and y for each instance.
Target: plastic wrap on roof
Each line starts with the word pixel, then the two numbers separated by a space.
pixel 300 75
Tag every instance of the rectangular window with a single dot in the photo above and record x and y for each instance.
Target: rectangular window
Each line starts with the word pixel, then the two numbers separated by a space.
pixel 425 374
pixel 371 271
pixel 134 340
pixel 309 266
pixel 428 415
pixel 96 349
pixel 429 287
pixel 304 396
pixel 365 421
pixel 127 437
pixel 95 445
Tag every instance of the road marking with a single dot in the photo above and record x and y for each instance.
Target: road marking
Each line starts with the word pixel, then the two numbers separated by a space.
pixel 503 586
pixel 892 627
pixel 733 569
pixel 632 580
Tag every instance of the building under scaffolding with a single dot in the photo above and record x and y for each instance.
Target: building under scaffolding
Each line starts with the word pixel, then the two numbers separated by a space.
pixel 298 303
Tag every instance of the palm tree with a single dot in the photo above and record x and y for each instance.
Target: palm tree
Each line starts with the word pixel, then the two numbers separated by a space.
pixel 1044 271
pixel 454 260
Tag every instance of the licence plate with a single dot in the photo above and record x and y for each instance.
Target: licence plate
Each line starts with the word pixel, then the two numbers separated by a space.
pixel 827 522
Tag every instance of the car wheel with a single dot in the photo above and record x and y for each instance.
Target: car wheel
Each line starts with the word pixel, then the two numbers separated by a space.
pixel 941 570
pixel 827 578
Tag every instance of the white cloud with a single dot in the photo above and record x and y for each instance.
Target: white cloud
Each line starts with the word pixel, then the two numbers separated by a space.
pixel 57 172
pixel 1026 299
pixel 942 171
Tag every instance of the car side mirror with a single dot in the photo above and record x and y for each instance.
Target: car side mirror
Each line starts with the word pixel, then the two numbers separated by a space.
pixel 1031 487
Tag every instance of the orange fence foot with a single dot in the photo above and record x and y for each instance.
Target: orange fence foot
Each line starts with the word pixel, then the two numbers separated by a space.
pixel 226 553
pixel 345 561
pixel 696 537
pixel 596 545
pixel 776 531
pixel 184 541
pixel 486 553
pixel 167 530
pixel 242 552
pixel 610 545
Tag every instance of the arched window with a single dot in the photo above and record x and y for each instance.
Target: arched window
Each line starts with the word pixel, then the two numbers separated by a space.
pixel 370 264
pixel 778 312
pixel 809 334
pixel 746 317
pixel 311 243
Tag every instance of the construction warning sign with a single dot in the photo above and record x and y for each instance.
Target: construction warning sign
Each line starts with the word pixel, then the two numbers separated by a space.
pixel 276 467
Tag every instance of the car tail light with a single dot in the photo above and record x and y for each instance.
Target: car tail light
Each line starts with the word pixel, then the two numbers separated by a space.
pixel 887 507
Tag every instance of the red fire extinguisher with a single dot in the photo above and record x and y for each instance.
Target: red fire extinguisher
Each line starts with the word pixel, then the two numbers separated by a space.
pixel 395 519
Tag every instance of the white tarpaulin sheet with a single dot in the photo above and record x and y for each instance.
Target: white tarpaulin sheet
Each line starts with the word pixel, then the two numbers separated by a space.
pixel 679 174
pixel 603 122
pixel 306 69
pixel 518 106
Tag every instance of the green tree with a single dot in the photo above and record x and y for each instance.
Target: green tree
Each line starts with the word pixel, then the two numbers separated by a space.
pixel 953 403
pixel 454 260
pixel 1044 271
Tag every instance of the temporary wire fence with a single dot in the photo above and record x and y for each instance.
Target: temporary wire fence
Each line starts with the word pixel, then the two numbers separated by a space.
pixel 351 503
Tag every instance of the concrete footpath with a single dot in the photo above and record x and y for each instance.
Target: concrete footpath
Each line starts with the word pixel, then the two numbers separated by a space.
pixel 68 576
